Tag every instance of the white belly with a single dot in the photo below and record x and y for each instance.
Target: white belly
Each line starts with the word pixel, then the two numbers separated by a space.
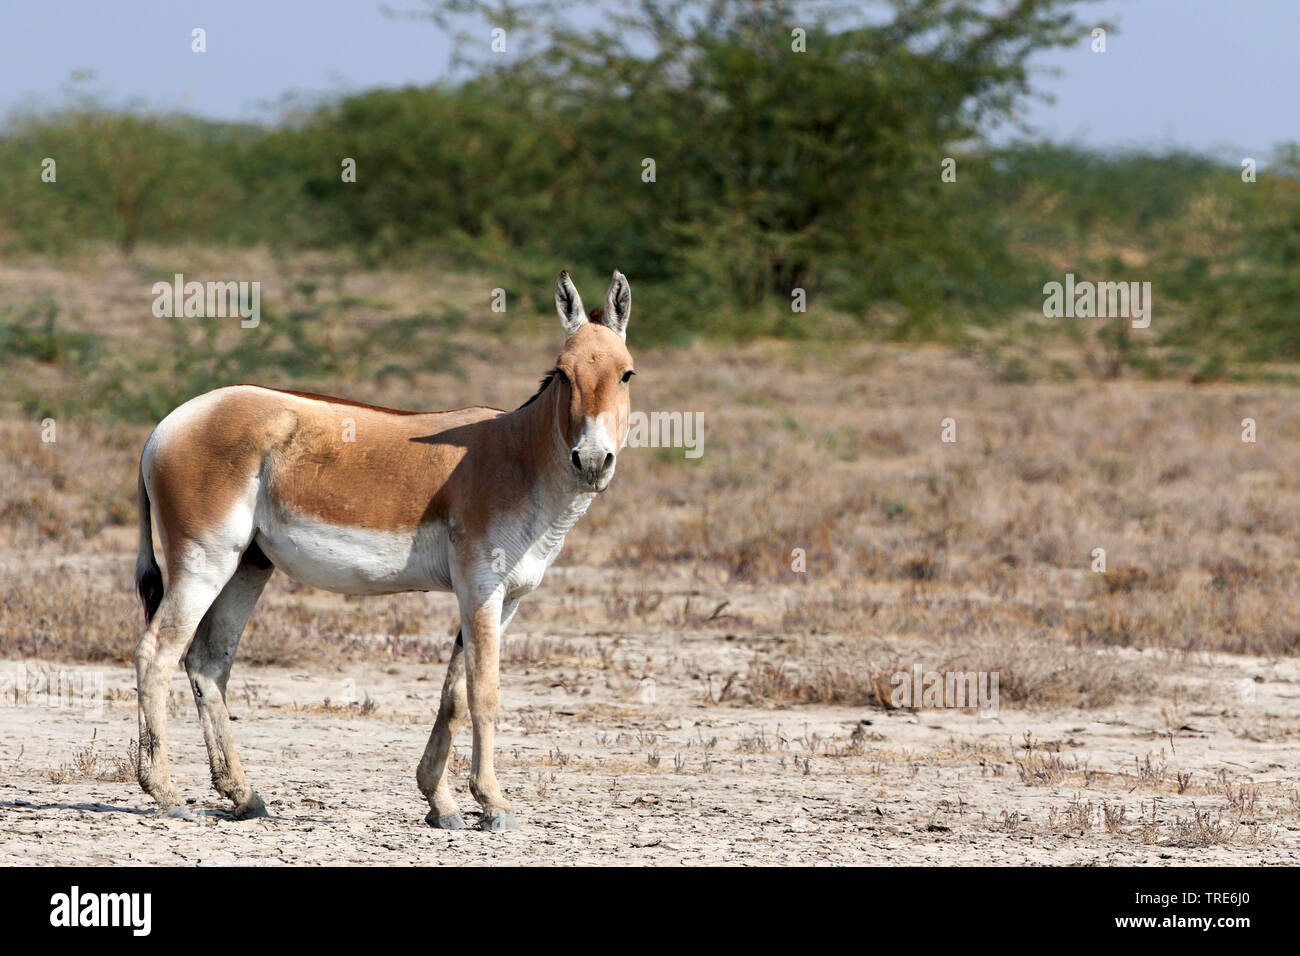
pixel 355 560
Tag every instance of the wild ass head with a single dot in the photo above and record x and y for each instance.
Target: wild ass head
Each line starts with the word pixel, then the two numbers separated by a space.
pixel 593 372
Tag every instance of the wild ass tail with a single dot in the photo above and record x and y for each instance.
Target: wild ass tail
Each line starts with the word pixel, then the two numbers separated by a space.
pixel 148 576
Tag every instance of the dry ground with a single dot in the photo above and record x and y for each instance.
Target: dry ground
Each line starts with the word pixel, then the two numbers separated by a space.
pixel 675 691
pixel 601 771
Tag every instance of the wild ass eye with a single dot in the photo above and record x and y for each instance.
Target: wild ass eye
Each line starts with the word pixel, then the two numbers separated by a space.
pixel 627 376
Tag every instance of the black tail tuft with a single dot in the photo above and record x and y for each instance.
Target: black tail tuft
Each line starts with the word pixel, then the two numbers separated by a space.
pixel 148 578
pixel 149 583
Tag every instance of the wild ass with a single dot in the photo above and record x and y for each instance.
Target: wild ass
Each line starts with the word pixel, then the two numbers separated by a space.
pixel 477 501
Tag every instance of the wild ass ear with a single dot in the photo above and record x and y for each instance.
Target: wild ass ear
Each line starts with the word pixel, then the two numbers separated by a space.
pixel 618 304
pixel 569 304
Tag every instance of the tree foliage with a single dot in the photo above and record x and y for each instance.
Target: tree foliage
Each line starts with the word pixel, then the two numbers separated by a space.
pixel 795 145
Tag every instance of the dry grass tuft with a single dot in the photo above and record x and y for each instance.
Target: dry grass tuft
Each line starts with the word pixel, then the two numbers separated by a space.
pixel 88 763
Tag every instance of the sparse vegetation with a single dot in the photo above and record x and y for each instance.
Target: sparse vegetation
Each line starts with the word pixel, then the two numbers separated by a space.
pixel 91 763
pixel 1001 524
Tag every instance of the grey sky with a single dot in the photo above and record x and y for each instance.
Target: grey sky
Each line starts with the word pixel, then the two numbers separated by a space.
pixel 1213 75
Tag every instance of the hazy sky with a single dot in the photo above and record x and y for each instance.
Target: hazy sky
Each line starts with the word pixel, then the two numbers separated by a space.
pixel 1214 75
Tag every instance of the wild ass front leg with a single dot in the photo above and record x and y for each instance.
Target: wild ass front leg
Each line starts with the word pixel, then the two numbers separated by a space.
pixel 482 660
pixel 431 774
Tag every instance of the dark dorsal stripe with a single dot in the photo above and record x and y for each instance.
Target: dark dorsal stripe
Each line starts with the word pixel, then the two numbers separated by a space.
pixel 343 401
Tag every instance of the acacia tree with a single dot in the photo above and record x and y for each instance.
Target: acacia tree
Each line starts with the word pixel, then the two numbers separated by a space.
pixel 121 175
pixel 794 143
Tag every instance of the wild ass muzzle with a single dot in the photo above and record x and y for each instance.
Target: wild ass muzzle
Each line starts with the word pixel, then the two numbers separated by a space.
pixel 358 499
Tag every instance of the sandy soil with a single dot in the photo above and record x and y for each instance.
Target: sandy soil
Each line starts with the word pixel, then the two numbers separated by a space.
pixel 733 784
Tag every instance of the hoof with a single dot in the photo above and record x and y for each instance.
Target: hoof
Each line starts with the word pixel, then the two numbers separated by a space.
pixel 495 821
pixel 179 812
pixel 447 821
pixel 251 809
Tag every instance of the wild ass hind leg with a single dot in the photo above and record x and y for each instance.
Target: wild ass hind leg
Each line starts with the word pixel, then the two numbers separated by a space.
pixel 431 774
pixel 208 665
pixel 189 594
